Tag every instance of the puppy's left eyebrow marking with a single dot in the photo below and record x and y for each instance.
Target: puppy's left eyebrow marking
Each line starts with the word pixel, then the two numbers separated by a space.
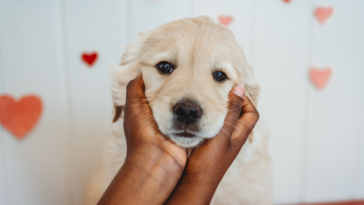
pixel 161 57
pixel 228 68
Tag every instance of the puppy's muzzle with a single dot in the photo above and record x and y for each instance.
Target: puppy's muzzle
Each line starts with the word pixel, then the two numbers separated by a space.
pixel 186 114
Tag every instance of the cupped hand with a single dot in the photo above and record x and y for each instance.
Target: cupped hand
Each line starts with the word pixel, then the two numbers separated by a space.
pixel 141 130
pixel 220 151
pixel 153 164
pixel 208 163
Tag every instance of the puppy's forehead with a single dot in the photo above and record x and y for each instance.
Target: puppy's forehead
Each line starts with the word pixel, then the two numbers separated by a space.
pixel 194 47
pixel 188 42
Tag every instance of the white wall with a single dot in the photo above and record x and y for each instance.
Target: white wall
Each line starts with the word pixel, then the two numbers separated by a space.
pixel 335 119
pixel 36 170
pixel 317 136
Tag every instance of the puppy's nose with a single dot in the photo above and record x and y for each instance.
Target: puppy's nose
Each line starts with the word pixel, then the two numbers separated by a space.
pixel 187 112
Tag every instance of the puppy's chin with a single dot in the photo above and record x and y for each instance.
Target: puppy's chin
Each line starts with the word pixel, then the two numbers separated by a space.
pixel 186 142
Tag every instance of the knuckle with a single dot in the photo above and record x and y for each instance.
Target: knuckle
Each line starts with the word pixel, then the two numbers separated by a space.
pixel 130 85
pixel 235 105
pixel 257 114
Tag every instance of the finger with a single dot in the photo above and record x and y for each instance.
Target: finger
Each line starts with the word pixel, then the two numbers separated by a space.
pixel 135 97
pixel 138 115
pixel 234 110
pixel 246 122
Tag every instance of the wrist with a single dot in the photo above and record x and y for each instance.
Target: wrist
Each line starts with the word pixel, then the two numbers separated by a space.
pixel 158 165
pixel 199 182
pixel 153 177
pixel 149 157
pixel 193 189
pixel 146 177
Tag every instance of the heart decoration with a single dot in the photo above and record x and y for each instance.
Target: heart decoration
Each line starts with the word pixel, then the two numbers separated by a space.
pixel 287 1
pixel 89 58
pixel 320 77
pixel 225 20
pixel 323 13
pixel 20 117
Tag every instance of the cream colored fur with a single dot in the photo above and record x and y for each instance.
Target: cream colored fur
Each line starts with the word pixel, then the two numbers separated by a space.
pixel 198 47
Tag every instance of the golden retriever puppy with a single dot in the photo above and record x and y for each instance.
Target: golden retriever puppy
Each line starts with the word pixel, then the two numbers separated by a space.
pixel 189 66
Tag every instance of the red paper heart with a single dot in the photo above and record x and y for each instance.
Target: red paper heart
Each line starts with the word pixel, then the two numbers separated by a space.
pixel 322 13
pixel 287 1
pixel 320 77
pixel 20 117
pixel 225 20
pixel 89 58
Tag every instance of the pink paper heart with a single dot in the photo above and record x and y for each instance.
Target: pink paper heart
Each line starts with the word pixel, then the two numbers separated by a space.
pixel 320 77
pixel 20 117
pixel 323 13
pixel 225 20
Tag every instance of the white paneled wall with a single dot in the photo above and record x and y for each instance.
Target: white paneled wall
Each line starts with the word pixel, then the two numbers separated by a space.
pixel 317 136
pixel 147 14
pixel 36 169
pixel 280 63
pixel 336 113
pixel 91 26
pixel 242 13
pixel 3 182
pixel 359 189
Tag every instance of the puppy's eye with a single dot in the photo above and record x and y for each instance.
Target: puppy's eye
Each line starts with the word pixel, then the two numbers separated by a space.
pixel 165 67
pixel 219 75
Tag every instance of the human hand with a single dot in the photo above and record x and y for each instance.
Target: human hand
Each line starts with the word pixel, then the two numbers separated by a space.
pixel 208 163
pixel 153 165
pixel 141 130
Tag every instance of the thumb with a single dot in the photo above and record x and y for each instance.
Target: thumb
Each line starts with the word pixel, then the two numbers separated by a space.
pixel 246 122
pixel 234 109
pixel 135 97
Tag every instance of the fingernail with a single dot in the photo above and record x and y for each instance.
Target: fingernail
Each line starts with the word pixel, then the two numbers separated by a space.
pixel 239 91
pixel 139 74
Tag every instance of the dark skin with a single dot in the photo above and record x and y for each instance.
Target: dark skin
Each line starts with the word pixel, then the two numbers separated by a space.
pixel 157 171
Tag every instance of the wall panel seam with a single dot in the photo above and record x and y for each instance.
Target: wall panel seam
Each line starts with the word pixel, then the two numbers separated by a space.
pixel 253 30
pixel 305 139
pixel 192 8
pixel 3 151
pixel 129 20
pixel 70 122
pixel 360 154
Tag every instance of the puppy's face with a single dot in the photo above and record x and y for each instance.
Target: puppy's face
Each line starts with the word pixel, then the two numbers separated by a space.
pixel 189 67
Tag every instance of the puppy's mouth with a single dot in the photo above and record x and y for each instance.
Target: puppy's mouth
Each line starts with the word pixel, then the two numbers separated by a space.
pixel 185 139
pixel 185 134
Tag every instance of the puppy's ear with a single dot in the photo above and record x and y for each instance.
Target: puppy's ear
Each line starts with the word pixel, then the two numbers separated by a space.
pixel 128 69
pixel 118 112
pixel 252 88
pixel 246 76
